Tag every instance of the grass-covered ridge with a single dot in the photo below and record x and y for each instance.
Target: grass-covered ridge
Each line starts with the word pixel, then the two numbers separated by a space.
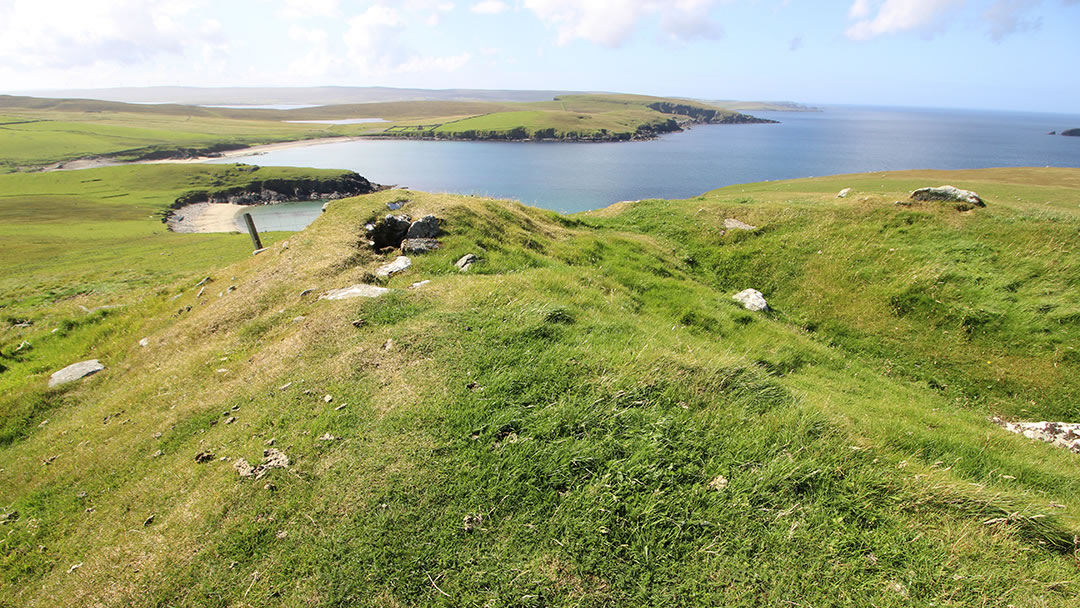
pixel 583 418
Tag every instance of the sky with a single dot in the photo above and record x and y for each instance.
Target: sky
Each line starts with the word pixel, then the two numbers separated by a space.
pixel 991 54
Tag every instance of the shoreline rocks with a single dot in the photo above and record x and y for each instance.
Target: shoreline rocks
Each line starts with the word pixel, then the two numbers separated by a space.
pixel 278 190
pixel 261 192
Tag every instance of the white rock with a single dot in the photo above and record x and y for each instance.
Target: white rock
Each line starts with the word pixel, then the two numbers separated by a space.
pixel 733 224
pixel 386 270
pixel 947 193
pixel 751 299
pixel 355 291
pixel 844 193
pixel 144 342
pixel 75 371
pixel 1063 434
pixel 419 284
pixel 466 260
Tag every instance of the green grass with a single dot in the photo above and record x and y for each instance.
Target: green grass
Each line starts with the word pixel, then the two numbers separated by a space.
pixel 87 239
pixel 550 428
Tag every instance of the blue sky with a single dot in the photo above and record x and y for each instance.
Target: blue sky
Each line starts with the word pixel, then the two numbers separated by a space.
pixel 994 54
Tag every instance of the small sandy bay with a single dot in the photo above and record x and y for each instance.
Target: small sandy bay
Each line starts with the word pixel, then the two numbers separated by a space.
pixel 205 217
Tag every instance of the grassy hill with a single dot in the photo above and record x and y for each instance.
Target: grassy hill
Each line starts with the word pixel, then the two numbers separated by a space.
pixel 584 418
pixel 35 132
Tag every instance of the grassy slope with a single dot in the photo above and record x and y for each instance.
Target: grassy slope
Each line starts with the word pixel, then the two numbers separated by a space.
pixel 583 115
pixel 94 238
pixel 35 132
pixel 578 389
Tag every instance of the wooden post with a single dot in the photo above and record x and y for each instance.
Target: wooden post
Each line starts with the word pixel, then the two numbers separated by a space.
pixel 252 231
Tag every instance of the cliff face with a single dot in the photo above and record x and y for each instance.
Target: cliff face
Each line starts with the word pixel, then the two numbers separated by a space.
pixel 278 190
pixel 521 134
pixel 707 115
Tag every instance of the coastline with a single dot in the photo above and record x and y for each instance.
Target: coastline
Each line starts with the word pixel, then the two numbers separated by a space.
pixel 651 133
pixel 101 161
pixel 205 217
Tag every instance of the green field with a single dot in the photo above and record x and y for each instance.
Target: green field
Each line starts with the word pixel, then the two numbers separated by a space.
pixel 584 418
pixel 39 132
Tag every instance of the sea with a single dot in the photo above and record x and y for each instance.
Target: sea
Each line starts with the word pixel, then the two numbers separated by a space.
pixel 574 177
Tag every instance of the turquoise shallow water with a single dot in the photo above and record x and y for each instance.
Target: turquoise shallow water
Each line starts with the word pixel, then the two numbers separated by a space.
pixel 571 177
pixel 281 216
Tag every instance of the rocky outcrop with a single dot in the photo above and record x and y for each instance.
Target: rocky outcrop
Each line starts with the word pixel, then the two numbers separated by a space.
pixel 419 245
pixel 948 194
pixel 643 132
pixel 278 190
pixel 1061 434
pixel 426 227
pixel 388 232
pixel 395 231
pixel 1071 132
pixel 703 115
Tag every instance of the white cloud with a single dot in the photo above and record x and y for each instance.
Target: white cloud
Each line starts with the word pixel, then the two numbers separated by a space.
pixel 42 35
pixel 1005 17
pixel 294 9
pixel 895 16
pixel 860 9
pixel 374 44
pixel 489 7
pixel 611 22
pixel 317 60
pixel 437 13
pixel 372 38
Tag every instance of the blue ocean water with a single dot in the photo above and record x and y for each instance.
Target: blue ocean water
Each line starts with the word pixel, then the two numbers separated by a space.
pixel 571 177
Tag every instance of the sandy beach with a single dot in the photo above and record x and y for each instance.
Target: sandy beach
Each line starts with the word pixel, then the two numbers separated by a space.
pixel 205 217
pixel 254 150
pixel 93 163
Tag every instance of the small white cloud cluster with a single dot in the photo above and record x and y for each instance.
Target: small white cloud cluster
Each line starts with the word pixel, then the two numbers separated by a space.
pixel 611 22
pixel 35 34
pixel 895 16
pixel 489 7
pixel 1003 17
pixel 374 44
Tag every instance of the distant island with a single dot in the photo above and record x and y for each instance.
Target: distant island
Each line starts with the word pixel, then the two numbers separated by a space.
pixel 1071 132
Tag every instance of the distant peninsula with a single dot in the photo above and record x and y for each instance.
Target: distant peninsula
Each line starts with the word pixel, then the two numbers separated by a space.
pixel 112 132
pixel 1071 132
